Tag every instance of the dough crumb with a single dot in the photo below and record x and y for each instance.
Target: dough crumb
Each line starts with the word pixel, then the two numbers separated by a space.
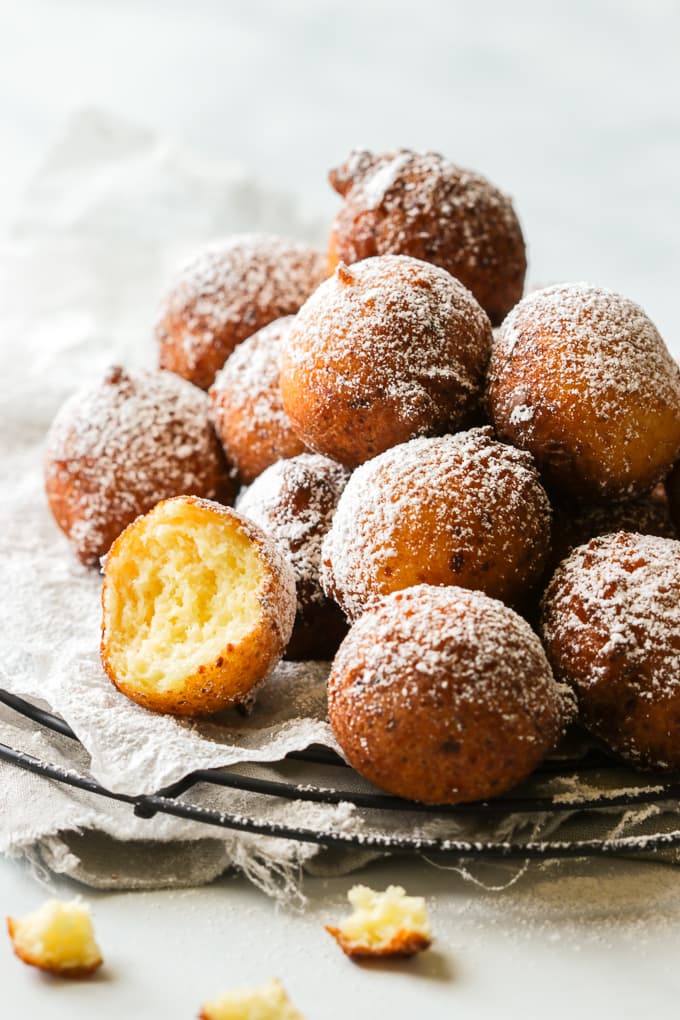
pixel 267 1002
pixel 57 937
pixel 388 923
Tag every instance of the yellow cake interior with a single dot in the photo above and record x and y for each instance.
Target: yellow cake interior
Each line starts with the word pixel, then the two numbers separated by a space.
pixel 182 584
pixel 377 917
pixel 58 936
pixel 268 1002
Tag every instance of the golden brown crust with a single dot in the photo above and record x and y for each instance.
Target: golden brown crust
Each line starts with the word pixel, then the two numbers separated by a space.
pixel 387 349
pixel 293 502
pixel 227 680
pixel 228 292
pixel 421 205
pixel 214 686
pixel 580 378
pixel 444 696
pixel 402 945
pixel 611 630
pixel 246 407
pixel 50 968
pixel 462 510
pixel 119 446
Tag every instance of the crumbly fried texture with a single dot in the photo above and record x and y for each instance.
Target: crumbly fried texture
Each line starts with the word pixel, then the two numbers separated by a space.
pixel 246 407
pixel 444 696
pixel 123 443
pixel 580 377
pixel 226 293
pixel 198 605
pixel 462 510
pixel 57 937
pixel 381 924
pixel 611 630
pixel 293 502
pixel 419 204
pixel 386 349
pixel 268 1002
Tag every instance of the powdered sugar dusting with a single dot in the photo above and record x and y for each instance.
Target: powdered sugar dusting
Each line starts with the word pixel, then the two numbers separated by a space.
pixel 612 624
pixel 472 487
pixel 118 447
pixel 422 642
pixel 424 187
pixel 252 373
pixel 416 630
pixel 232 288
pixel 626 588
pixel 422 205
pixel 574 351
pixel 293 501
pixel 521 413
pixel 622 343
pixel 374 186
pixel 269 269
pixel 246 403
pixel 393 333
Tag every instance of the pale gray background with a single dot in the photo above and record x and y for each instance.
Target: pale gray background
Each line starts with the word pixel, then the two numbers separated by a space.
pixel 572 108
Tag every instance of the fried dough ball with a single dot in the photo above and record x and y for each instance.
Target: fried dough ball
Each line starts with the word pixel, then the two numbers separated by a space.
pixel 225 294
pixel 580 377
pixel 293 502
pixel 388 349
pixel 246 406
pixel 647 515
pixel 611 629
pixel 462 510
pixel 119 446
pixel 419 204
pixel 198 605
pixel 443 695
pixel 673 490
pixel 383 924
pixel 58 938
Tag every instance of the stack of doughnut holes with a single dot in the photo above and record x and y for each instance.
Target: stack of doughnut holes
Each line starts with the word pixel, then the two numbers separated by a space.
pixel 468 498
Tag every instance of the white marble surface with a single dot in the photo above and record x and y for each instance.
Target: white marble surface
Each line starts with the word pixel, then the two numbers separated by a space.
pixel 574 110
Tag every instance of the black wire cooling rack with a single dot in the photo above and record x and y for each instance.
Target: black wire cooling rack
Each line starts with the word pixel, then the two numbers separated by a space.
pixel 662 792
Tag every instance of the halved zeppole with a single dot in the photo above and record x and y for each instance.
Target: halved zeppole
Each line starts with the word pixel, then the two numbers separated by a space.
pixel 198 606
